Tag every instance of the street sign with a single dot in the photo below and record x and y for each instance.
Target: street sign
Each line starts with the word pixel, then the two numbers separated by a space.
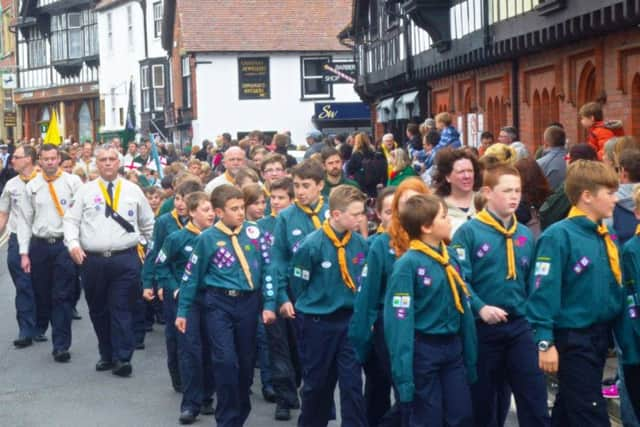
pixel 9 119
pixel 9 80
pixel 339 72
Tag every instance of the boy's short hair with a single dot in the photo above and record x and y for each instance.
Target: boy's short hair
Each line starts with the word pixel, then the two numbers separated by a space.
pixel 152 191
pixel 586 175
pixel 187 187
pixel 194 162
pixel 383 194
pixel 420 210
pixel 309 169
pixel 193 200
pixel 444 118
pixel 285 183
pixel 343 195
pixel 592 109
pixel 223 193
pixel 273 158
pixel 486 135
pixel 555 136
pixel 431 138
pixel 491 175
pixel 247 173
pixel 327 152
pixel 630 162
pixel 252 193
pixel 413 128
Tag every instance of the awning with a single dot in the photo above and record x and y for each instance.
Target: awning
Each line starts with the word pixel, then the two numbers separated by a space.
pixel 407 106
pixel 385 110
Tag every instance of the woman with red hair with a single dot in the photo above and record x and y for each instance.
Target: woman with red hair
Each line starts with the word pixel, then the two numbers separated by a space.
pixel 366 330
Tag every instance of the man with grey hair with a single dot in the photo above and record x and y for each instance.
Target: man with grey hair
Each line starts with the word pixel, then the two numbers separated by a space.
pixel 234 159
pixel 508 135
pixel 106 221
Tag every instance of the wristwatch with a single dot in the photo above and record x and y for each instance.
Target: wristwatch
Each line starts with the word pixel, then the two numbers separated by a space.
pixel 544 345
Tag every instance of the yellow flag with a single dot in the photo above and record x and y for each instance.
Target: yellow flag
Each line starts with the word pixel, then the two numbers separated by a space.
pixel 53 133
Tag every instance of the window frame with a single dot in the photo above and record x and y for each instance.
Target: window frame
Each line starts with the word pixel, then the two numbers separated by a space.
pixel 157 106
pixel 185 72
pixel 145 89
pixel 157 19
pixel 311 97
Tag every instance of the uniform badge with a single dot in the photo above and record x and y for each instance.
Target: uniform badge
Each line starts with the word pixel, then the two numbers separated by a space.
pixel 421 272
pixel 130 212
pixel 401 313
pixel 365 270
pixel 305 274
pixel 188 248
pixel 483 250
pixel 401 301
pixel 358 259
pixel 520 241
pixel 221 244
pixel 253 232
pixel 426 281
pixel 542 269
pixel 462 255
pixel 296 232
pixel 326 264
pixel 327 214
pixel 63 202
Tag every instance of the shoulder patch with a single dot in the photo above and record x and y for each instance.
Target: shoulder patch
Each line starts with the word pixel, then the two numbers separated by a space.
pixel 253 232
pixel 542 269
pixel 401 301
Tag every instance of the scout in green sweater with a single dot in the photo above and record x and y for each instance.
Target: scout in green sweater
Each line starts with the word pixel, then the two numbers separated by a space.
pixel 272 168
pixel 576 292
pixel 628 325
pixel 423 320
pixel 225 275
pixel 193 348
pixel 326 274
pixel 495 253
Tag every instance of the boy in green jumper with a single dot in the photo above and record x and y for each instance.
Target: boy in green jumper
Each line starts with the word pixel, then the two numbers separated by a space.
pixel 628 325
pixel 423 321
pixel 224 275
pixel 292 225
pixel 576 293
pixel 326 274
pixel 495 253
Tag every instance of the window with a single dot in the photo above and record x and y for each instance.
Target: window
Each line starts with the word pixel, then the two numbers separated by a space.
pixel 129 27
pixel 36 50
pixel 313 85
pixel 74 35
pixel 158 86
pixel 157 19
pixel 145 88
pixel 110 32
pixel 8 100
pixel 186 82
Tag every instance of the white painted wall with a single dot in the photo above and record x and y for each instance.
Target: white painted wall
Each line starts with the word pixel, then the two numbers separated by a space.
pixel 220 109
pixel 154 43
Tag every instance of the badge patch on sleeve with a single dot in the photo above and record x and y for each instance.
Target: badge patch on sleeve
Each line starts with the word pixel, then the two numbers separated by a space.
pixel 401 301
pixel 365 271
pixel 253 232
pixel 542 268
pixel 161 257
pixel 194 259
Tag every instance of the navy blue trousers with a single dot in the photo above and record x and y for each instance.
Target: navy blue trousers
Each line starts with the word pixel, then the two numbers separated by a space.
pixel 111 288
pixel 285 363
pixel 378 384
pixel 53 278
pixel 507 355
pixel 582 355
pixel 328 358
pixel 442 396
pixel 170 311
pixel 25 299
pixel 194 358
pixel 264 356
pixel 231 324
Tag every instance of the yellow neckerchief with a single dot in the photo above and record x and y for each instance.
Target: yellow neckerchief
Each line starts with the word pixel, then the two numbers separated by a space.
pixel 193 228
pixel 442 258
pixel 273 214
pixel 157 210
pixel 266 191
pixel 342 253
pixel 26 179
pixel 174 214
pixel 229 177
pixel 242 259
pixel 313 214
pixel 113 204
pixel 387 155
pixel 52 190
pixel 485 217
pixel 638 230
pixel 141 252
pixel 612 249
pixel 380 229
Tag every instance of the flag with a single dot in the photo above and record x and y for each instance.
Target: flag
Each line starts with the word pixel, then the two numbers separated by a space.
pixel 53 133
pixel 156 157
pixel 129 132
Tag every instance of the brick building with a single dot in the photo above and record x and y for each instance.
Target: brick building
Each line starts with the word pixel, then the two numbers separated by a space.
pixel 493 63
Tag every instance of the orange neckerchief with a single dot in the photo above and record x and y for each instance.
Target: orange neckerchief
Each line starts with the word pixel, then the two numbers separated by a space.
pixel 52 190
pixel 342 253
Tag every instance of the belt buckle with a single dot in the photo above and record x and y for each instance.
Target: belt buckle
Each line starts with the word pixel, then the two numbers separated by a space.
pixel 51 240
pixel 106 254
pixel 233 293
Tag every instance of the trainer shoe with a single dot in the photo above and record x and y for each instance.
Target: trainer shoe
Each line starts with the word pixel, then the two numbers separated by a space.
pixel 610 392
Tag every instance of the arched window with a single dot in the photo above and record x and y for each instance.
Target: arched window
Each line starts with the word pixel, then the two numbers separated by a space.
pixel 490 119
pixel 635 105
pixel 586 91
pixel 555 107
pixel 537 118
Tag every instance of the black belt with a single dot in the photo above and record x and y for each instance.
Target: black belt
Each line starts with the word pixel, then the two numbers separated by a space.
pixel 235 293
pixel 49 240
pixel 109 254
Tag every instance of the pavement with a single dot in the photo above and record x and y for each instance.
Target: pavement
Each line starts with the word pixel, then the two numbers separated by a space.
pixel 36 391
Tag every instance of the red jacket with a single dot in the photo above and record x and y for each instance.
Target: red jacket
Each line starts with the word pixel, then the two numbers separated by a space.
pixel 600 133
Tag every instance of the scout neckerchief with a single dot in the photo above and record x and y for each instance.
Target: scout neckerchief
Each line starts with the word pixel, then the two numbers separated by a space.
pixel 229 177
pixel 174 214
pixel 486 218
pixel 387 155
pixel 52 190
pixel 380 229
pixel 193 228
pixel 612 249
pixel 342 253
pixel 111 202
pixel 442 258
pixel 313 213
pixel 141 252
pixel 638 230
pixel 242 259
pixel 26 179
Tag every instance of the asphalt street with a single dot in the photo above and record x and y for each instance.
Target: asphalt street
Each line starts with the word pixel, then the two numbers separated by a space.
pixel 36 391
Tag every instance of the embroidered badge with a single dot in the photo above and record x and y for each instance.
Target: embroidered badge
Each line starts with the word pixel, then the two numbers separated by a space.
pixel 359 258
pixel 524 261
pixel 401 313
pixel 327 214
pixel 185 277
pixel 220 244
pixel 130 212
pixel 326 264
pixel 97 200
pixel 194 259
pixel 483 250
pixel 268 278
pixel 270 293
pixel 542 269
pixel 63 202
pixel 426 281
pixel 161 257
pixel 401 301
pixel 297 272
pixel 520 241
pixel 365 270
pixel 305 274
pixel 295 247
pixel 462 255
pixel 296 232
pixel 188 248
pixel 421 272
pixel 253 232
pixel 538 281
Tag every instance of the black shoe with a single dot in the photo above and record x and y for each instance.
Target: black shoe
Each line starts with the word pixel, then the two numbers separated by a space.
pixel 176 382
pixel 121 369
pixel 75 315
pixel 207 409
pixel 104 365
pixel 22 342
pixel 140 346
pixel 282 413
pixel 269 394
pixel 61 356
pixel 294 405
pixel 187 417
pixel 40 338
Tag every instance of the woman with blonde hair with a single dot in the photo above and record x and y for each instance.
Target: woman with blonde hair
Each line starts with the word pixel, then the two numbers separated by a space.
pixel 367 166
pixel 401 167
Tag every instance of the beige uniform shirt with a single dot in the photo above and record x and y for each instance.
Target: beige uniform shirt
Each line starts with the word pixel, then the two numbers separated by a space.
pixel 11 195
